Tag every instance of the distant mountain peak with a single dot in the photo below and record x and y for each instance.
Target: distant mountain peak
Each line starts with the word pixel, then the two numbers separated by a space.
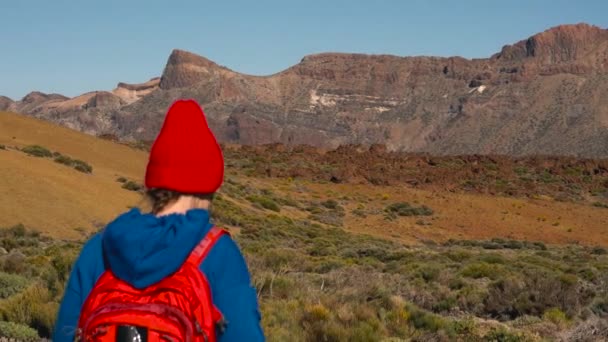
pixel 563 43
pixel 38 96
pixel 184 69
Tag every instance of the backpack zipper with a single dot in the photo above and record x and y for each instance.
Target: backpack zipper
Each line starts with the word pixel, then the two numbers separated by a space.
pixel 154 308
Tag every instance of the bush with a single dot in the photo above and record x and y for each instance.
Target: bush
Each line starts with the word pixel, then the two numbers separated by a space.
pixel 600 307
pixel 121 180
pixel 534 293
pixel 332 218
pixel 426 321
pixel 37 151
pixel 429 273
pixel 65 160
pixel 330 204
pixel 503 335
pixel 132 186
pixel 556 316
pixel 18 331
pixel 2 147
pixel 264 202
pixel 17 231
pixel 33 307
pixel 14 262
pixel 11 284
pixel 405 209
pixel 482 270
pixel 78 165
pixel 81 166
pixel 359 212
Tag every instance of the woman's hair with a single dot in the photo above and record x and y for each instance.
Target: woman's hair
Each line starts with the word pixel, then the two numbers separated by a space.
pixel 160 198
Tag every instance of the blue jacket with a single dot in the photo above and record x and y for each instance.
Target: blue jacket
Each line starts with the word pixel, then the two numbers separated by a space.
pixel 143 249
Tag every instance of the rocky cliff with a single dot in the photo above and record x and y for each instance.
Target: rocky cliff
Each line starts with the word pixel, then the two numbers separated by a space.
pixel 542 95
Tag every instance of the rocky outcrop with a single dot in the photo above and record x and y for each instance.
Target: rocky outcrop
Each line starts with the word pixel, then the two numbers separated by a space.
pixel 104 99
pixel 5 103
pixel 560 44
pixel 542 95
pixel 185 69
pixel 130 93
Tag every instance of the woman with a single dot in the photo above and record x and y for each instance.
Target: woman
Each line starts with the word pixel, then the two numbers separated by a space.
pixel 185 169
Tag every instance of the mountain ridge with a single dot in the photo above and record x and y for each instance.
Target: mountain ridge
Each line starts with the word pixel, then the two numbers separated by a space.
pixel 540 95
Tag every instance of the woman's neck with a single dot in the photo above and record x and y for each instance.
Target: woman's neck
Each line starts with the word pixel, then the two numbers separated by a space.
pixel 183 204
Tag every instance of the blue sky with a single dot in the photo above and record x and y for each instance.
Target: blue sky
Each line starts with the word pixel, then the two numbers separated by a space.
pixel 71 47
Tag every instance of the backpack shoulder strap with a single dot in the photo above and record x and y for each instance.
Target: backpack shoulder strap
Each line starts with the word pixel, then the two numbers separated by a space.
pixel 202 249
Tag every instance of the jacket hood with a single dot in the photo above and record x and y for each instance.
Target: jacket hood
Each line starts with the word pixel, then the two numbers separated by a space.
pixel 142 249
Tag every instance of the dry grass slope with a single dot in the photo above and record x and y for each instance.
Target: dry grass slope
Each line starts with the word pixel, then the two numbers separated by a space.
pixel 54 198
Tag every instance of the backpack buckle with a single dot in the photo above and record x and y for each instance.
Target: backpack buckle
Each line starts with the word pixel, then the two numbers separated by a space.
pixel 221 325
pixel 78 335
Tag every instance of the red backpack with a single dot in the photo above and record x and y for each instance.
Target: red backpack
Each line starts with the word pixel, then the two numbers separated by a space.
pixel 178 308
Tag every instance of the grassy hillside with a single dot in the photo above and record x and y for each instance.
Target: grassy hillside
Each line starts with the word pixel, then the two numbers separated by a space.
pixel 59 200
pixel 52 197
pixel 330 262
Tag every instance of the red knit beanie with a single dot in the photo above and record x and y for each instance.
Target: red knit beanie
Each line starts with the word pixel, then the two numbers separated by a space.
pixel 185 156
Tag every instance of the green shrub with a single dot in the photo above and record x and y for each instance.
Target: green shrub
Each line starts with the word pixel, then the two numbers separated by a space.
pixel 81 166
pixel 359 212
pixel 78 165
pixel 330 204
pixel 547 177
pixel 17 231
pixel 503 335
pixel 421 319
pixel 429 272
pixel 332 218
pixel 132 186
pixel 33 307
pixel 445 304
pixel 37 151
pixel 600 307
pixel 11 284
pixel 514 244
pixel 556 316
pixel 405 209
pixel 600 205
pixel 14 262
pixel 493 259
pixel 18 332
pixel 264 202
pixel 65 160
pixel 481 270
pixel 121 180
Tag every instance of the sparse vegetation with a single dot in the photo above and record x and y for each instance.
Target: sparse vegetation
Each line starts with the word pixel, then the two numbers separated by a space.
pixel 18 332
pixel 405 209
pixel 416 288
pixel 600 205
pixel 264 202
pixel 78 165
pixel 43 152
pixel 2 147
pixel 321 283
pixel 132 186
pixel 317 280
pixel 37 151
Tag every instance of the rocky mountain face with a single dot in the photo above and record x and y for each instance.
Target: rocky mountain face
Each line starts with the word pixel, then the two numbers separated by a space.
pixel 542 95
